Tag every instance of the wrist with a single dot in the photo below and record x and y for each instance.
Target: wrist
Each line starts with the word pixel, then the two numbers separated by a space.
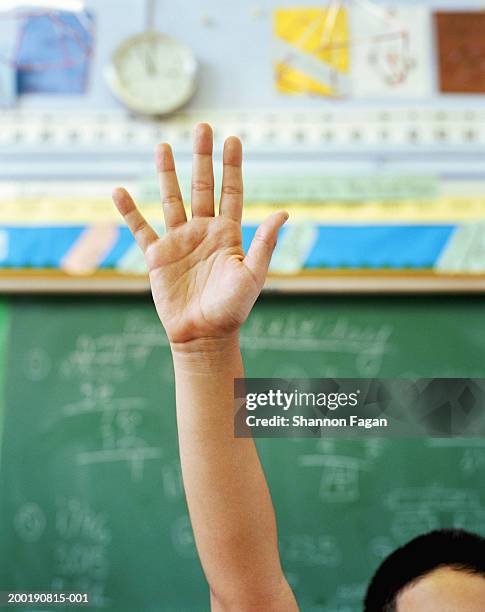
pixel 207 354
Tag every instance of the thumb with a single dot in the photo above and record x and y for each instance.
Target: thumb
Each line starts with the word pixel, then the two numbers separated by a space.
pixel 263 244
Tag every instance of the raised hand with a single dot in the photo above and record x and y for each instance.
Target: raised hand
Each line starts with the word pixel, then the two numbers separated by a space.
pixel 203 285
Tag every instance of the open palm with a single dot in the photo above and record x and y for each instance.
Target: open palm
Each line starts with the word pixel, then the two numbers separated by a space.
pixel 203 285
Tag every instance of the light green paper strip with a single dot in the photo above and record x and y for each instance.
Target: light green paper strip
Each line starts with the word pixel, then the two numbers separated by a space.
pixel 465 251
pixel 317 188
pixel 293 248
pixel 133 261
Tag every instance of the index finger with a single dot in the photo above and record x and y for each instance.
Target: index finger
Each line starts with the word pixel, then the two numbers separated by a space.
pixel 173 207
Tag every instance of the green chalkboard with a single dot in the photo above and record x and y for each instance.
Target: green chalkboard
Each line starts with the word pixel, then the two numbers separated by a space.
pixel 90 490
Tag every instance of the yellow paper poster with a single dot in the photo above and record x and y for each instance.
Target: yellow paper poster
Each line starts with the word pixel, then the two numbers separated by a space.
pixel 312 50
pixel 457 209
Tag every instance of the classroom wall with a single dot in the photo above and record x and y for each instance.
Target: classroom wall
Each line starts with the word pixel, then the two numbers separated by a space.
pixel 91 496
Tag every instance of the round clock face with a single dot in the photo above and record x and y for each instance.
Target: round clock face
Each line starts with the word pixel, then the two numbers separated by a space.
pixel 152 73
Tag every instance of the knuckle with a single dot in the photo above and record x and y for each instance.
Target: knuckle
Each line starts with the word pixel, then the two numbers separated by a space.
pixel 269 243
pixel 231 190
pixel 202 186
pixel 170 200
pixel 139 226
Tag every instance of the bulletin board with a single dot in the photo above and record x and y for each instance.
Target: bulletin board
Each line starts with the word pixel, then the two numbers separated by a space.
pixel 369 142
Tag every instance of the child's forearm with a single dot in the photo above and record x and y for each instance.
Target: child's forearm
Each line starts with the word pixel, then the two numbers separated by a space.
pixel 229 502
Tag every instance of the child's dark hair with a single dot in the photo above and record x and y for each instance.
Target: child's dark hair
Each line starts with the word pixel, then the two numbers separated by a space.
pixel 453 548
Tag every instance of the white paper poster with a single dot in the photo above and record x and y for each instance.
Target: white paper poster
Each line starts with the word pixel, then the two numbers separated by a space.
pixel 390 51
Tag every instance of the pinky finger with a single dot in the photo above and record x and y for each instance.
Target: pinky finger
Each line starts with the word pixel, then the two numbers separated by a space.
pixel 142 231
